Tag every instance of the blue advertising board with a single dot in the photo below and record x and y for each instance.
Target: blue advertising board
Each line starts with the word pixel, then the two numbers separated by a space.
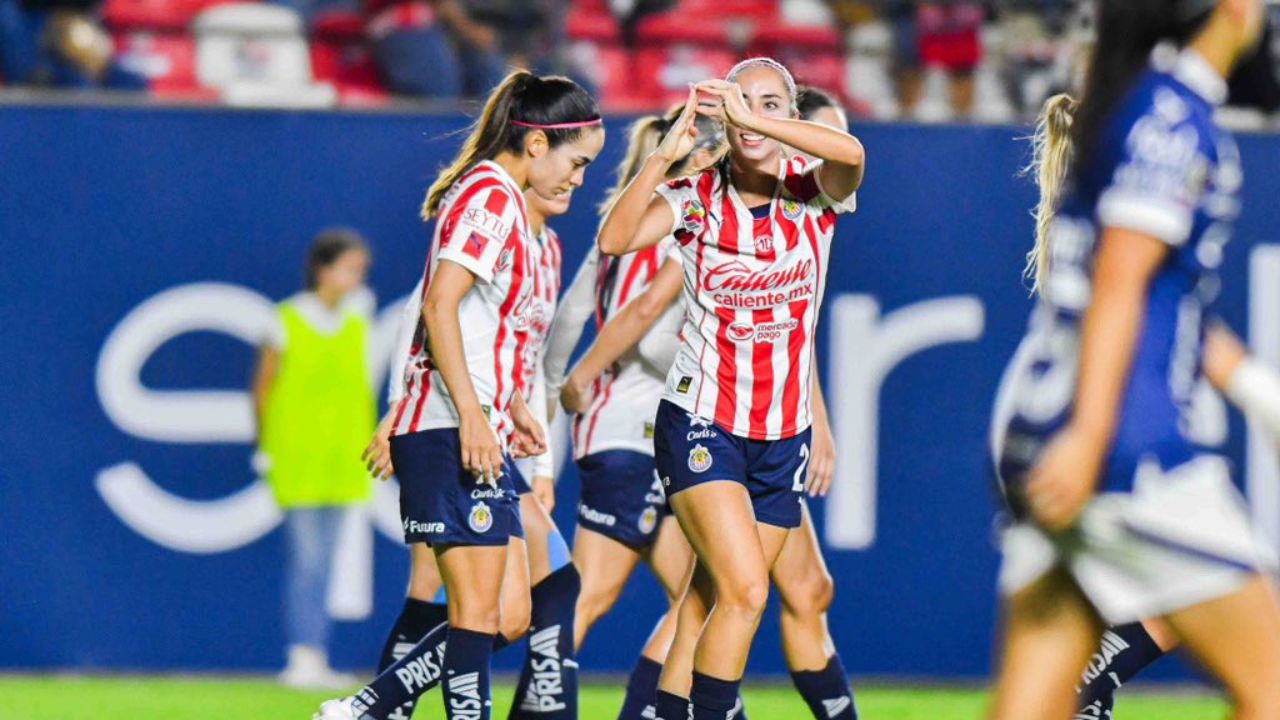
pixel 143 248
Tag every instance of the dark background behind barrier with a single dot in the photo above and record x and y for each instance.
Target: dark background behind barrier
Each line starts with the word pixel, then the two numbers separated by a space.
pixel 101 209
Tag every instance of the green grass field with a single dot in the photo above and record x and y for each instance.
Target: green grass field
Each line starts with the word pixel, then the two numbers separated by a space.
pixel 163 698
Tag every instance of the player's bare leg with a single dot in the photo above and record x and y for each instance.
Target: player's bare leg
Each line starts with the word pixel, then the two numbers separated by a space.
pixel 806 590
pixel 1050 630
pixel 1237 638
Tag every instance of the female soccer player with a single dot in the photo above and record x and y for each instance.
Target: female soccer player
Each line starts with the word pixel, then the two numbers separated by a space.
pixel 1250 384
pixel 554 580
pixel 1117 515
pixel 799 574
pixel 731 436
pixel 622 514
pixel 464 396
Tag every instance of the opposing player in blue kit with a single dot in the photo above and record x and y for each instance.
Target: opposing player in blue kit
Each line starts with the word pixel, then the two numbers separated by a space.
pixel 1117 515
pixel 464 407
pixel 1247 382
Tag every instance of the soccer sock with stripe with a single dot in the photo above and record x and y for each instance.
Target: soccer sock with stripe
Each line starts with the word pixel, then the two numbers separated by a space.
pixel 548 686
pixel 642 690
pixel 713 698
pixel 467 658
pixel 1124 651
pixel 827 691
pixel 416 619
pixel 669 706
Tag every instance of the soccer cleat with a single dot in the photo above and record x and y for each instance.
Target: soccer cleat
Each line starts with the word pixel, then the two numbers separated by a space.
pixel 339 709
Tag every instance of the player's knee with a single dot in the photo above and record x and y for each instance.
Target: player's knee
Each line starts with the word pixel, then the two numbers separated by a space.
pixel 811 594
pixel 478 617
pixel 595 602
pixel 746 596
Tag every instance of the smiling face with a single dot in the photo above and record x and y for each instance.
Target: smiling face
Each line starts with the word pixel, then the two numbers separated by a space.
pixel 767 95
pixel 555 171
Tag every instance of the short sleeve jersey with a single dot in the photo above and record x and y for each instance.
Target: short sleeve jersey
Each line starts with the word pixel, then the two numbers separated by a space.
pixel 482 226
pixel 752 291
pixel 1164 169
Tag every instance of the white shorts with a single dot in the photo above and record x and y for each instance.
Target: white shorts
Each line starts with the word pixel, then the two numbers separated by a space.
pixel 1180 538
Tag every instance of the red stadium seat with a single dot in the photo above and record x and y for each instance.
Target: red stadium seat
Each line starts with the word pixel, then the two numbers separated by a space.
pixel 622 87
pixel 591 21
pixel 153 14
pixel 340 55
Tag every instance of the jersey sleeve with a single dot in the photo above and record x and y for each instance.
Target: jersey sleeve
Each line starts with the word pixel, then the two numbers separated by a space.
pixel 477 231
pixel 543 465
pixel 806 186
pixel 682 197
pixel 572 314
pixel 274 335
pixel 1158 180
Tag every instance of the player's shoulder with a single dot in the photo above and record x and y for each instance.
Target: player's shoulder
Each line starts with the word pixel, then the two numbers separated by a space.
pixel 484 186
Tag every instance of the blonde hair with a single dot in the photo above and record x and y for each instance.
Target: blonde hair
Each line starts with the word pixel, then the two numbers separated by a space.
pixel 1051 159
pixel 647 133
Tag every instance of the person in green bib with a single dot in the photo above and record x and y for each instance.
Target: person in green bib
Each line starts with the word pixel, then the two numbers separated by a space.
pixel 315 410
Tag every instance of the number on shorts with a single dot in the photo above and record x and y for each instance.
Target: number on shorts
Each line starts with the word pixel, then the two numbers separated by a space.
pixel 797 482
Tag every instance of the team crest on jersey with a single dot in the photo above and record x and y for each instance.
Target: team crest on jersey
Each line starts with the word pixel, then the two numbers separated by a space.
pixel 648 520
pixel 699 459
pixel 693 216
pixel 791 209
pixel 764 244
pixel 481 518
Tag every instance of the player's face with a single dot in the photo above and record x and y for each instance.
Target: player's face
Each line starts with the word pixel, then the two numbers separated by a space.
pixel 766 94
pixel 548 207
pixel 555 172
pixel 346 273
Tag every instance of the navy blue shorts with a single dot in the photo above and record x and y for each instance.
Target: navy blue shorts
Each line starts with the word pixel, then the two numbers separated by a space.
pixel 441 503
pixel 621 497
pixel 690 450
pixel 521 485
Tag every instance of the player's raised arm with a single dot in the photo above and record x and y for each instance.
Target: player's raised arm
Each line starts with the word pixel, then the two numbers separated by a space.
pixel 637 219
pixel 842 154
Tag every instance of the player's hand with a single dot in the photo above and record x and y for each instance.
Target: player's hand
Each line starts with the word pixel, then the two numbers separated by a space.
pixel 481 451
pixel 683 135
pixel 1063 481
pixel 544 489
pixel 728 105
pixel 528 439
pixel 575 396
pixel 822 460
pixel 377 457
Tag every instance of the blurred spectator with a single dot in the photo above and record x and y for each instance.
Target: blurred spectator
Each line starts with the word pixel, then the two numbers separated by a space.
pixel 315 410
pixel 58 43
pixel 435 48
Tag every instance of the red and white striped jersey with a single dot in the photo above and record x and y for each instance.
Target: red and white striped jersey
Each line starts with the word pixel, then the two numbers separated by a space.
pixel 624 399
pixel 547 259
pixel 482 225
pixel 752 291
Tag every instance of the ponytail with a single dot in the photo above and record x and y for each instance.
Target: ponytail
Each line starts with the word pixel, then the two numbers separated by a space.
pixel 1051 148
pixel 1127 32
pixel 522 103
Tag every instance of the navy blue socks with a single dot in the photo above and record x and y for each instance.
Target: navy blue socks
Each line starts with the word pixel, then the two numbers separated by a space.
pixel 548 685
pixel 467 657
pixel 1123 652
pixel 671 707
pixel 642 691
pixel 416 619
pixel 713 698
pixel 393 693
pixel 827 691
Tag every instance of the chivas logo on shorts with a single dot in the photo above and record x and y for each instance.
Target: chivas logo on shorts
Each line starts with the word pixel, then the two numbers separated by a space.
pixel 699 459
pixel 481 518
pixel 648 520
